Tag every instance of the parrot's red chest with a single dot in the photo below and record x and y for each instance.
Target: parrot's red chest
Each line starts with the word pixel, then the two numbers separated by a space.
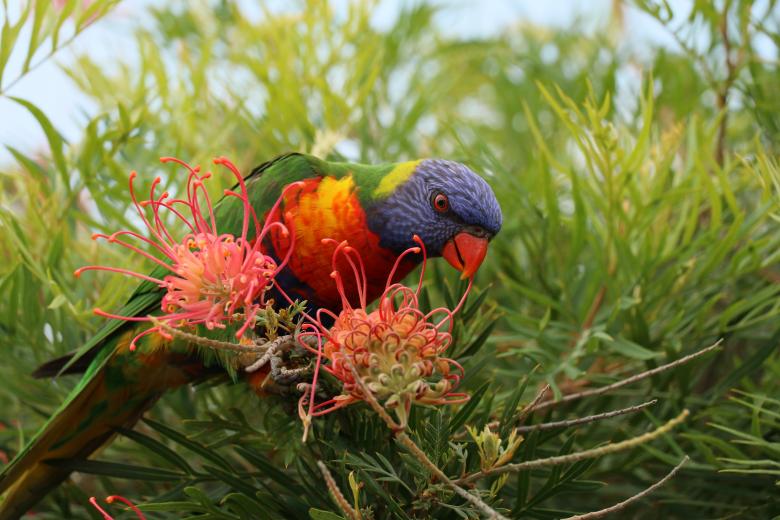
pixel 328 208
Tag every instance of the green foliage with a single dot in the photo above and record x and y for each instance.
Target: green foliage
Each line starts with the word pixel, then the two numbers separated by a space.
pixel 641 224
pixel 764 425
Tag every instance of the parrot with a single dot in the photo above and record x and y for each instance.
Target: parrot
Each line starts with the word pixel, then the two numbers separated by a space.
pixel 377 208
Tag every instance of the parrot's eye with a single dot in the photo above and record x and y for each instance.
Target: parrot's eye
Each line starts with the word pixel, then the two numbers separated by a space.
pixel 440 202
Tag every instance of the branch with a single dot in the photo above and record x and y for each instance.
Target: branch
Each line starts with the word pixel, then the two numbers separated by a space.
pixel 582 455
pixel 622 505
pixel 585 420
pixel 627 381
pixel 212 343
pixel 347 509
pixel 532 405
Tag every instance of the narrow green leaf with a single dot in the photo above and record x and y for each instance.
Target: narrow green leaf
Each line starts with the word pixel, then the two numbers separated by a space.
pixel 57 302
pixel 189 444
pixel 40 10
pixel 161 449
pixel 8 35
pixel 320 514
pixel 65 12
pixel 35 169
pixel 476 343
pixel 474 307
pixel 632 350
pixel 237 482
pixel 117 470
pixel 56 142
pixel 468 409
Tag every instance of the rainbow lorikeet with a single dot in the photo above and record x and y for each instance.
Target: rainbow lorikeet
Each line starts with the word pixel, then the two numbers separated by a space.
pixel 378 209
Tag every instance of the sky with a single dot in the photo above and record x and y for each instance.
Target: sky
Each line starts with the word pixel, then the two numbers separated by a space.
pixel 50 89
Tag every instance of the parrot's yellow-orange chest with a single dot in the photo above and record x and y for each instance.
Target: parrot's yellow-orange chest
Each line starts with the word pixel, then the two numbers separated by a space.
pixel 329 208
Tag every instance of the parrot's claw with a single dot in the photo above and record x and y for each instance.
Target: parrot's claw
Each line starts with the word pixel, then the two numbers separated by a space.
pixel 272 349
pixel 276 355
pixel 261 361
pixel 287 376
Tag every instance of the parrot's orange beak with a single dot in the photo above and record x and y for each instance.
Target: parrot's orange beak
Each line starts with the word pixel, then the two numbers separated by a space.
pixel 465 252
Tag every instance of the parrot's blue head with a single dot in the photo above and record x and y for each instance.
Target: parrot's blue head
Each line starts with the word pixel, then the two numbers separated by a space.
pixel 451 208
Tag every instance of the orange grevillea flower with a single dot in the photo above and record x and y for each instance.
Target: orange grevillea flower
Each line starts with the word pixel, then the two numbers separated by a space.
pixel 110 500
pixel 396 349
pixel 210 279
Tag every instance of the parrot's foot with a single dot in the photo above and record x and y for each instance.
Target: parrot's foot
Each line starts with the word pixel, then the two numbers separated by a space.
pixel 284 375
pixel 284 356
pixel 272 349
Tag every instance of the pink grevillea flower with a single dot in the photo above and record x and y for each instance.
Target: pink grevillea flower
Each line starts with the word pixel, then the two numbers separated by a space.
pixel 110 500
pixel 213 279
pixel 396 350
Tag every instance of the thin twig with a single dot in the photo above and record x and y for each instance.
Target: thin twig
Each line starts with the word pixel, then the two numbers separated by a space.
pixel 584 420
pixel 626 381
pixel 572 422
pixel 582 455
pixel 335 492
pixel 622 505
pixel 532 405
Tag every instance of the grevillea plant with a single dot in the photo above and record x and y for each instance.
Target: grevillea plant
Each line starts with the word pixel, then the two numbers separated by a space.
pixel 395 351
pixel 213 279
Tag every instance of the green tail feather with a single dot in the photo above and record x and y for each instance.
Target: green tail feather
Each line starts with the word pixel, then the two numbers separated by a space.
pixel 115 391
